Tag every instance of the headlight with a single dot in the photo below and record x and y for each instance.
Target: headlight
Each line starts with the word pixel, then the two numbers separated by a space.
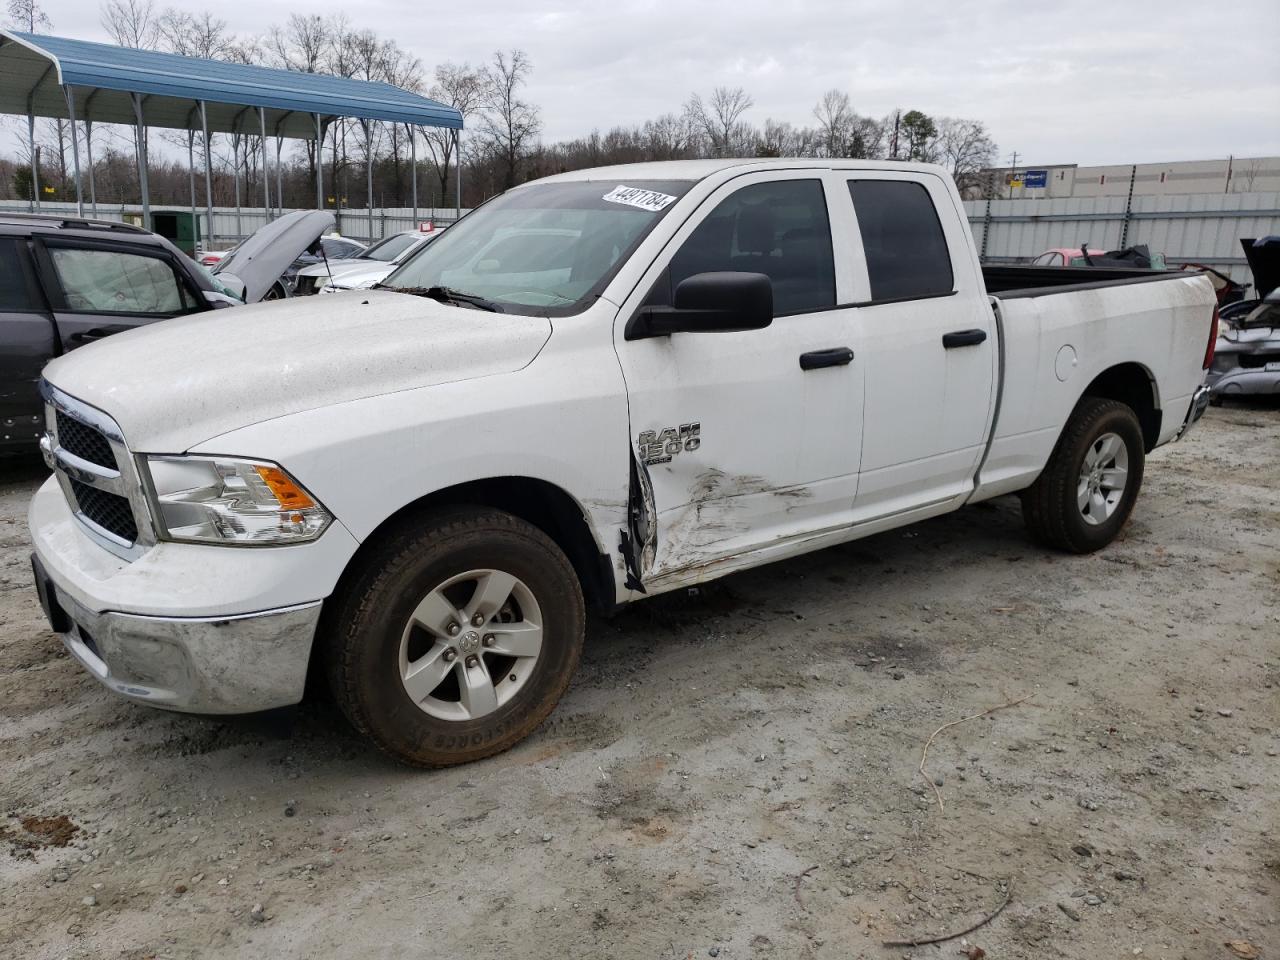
pixel 229 501
pixel 329 288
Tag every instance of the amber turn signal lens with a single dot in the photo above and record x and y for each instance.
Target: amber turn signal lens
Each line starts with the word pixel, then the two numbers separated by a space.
pixel 286 491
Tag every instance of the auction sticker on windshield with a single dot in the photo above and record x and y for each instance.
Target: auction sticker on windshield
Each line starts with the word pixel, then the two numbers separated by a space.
pixel 649 200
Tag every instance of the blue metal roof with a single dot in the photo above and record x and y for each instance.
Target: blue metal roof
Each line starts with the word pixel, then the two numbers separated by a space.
pixel 173 84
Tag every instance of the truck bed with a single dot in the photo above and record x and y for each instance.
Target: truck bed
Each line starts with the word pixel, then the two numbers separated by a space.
pixel 1008 281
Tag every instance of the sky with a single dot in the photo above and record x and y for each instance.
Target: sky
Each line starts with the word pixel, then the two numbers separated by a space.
pixel 1066 82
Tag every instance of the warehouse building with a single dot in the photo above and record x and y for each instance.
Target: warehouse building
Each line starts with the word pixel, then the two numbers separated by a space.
pixel 1054 181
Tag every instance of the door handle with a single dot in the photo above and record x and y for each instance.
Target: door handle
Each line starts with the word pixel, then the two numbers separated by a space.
pixel 963 338
pixel 834 357
pixel 88 336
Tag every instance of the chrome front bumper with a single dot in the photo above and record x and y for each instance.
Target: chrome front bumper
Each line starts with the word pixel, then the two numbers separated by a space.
pixel 230 664
pixel 1199 404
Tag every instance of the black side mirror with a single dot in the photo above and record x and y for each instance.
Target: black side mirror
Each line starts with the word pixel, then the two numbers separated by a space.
pixel 707 303
pixel 315 249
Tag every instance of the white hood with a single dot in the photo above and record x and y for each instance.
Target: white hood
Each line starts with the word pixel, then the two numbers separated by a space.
pixel 174 384
pixel 366 273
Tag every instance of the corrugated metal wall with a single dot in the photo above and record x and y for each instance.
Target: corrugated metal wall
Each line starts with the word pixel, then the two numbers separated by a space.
pixel 1198 228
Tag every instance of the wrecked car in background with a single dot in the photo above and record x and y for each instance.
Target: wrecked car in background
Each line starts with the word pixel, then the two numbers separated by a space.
pixel 1247 359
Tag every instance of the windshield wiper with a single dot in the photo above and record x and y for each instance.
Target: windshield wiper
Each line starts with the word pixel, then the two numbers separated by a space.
pixel 449 295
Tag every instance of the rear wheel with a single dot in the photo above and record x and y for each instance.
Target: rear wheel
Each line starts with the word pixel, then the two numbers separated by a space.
pixel 457 638
pixel 1088 488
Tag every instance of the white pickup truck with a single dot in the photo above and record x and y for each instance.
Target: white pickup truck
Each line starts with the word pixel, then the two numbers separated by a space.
pixel 595 388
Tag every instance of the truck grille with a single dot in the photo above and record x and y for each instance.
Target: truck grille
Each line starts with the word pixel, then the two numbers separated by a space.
pixel 84 441
pixel 97 474
pixel 108 510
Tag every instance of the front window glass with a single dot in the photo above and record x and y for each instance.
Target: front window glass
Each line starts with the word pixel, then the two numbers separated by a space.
pixel 546 248
pixel 779 229
pixel 390 248
pixel 112 281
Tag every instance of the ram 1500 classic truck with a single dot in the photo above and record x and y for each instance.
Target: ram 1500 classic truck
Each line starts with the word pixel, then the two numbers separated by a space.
pixel 595 388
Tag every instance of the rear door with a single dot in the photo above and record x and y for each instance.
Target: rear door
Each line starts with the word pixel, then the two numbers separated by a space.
pixel 746 440
pixel 97 289
pixel 27 342
pixel 927 339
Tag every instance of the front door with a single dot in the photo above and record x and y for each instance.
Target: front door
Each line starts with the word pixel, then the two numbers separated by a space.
pixel 98 289
pixel 749 439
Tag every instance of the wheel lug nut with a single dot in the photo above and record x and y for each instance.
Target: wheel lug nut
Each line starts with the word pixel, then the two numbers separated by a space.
pixel 488 640
pixel 455 629
pixel 450 655
pixel 472 660
pixel 478 620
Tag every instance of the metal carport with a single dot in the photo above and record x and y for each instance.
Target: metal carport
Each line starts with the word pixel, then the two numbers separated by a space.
pixel 79 81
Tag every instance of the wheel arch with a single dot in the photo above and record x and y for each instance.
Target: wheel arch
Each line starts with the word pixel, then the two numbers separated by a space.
pixel 1135 386
pixel 544 504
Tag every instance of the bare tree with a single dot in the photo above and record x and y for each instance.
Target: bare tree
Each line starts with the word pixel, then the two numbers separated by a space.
pixel 460 86
pixel 302 44
pixel 508 124
pixel 28 15
pixel 966 149
pixel 131 23
pixel 719 120
pixel 192 35
pixel 835 119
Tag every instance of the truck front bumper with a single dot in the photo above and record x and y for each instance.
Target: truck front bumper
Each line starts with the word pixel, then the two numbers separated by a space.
pixel 201 629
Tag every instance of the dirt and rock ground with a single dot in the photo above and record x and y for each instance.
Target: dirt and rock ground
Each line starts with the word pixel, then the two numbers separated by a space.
pixel 733 774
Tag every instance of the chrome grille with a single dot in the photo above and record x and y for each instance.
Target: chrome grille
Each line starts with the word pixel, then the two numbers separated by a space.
pixel 97 474
pixel 84 441
pixel 110 511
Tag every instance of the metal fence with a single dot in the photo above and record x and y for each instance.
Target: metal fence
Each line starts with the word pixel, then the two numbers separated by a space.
pixel 230 226
pixel 1192 228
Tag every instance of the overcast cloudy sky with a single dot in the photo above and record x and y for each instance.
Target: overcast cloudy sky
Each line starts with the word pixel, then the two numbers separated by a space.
pixel 1074 81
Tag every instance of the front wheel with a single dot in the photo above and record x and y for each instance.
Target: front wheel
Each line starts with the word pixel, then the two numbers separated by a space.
pixel 1088 488
pixel 456 638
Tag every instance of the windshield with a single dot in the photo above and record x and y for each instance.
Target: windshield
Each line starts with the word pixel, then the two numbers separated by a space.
pixel 548 246
pixel 390 248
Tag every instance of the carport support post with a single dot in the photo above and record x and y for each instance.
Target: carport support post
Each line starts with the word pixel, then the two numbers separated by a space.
pixel 88 157
pixel 279 180
pixel 368 172
pixel 266 180
pixel 457 157
pixel 75 146
pixel 413 166
pixel 319 164
pixel 35 163
pixel 191 171
pixel 208 178
pixel 141 153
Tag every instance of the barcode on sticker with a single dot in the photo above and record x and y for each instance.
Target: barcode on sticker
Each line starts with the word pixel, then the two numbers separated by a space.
pixel 649 200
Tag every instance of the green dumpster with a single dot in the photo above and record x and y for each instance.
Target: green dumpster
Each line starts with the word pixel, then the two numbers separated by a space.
pixel 180 227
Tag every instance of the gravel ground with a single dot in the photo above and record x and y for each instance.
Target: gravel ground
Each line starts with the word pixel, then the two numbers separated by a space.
pixel 734 772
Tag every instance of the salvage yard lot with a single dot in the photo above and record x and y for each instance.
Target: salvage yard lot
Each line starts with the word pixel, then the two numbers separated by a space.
pixel 734 773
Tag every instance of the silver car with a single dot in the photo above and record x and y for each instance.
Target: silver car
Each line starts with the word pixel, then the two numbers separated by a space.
pixel 1246 360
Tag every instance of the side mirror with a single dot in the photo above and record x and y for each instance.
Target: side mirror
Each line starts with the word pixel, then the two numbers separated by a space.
pixel 707 303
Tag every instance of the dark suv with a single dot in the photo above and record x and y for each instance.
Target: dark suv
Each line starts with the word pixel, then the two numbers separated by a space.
pixel 65 282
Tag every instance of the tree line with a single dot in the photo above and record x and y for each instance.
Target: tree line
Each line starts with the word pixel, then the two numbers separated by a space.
pixel 501 145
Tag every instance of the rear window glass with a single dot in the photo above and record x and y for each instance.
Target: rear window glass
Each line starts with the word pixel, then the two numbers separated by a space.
pixel 902 238
pixel 13 285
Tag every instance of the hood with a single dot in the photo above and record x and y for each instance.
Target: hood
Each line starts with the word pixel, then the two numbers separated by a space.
pixel 1263 255
pixel 175 384
pixel 269 252
pixel 368 272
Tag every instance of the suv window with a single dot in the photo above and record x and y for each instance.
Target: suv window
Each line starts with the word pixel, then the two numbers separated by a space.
pixel 779 229
pixel 902 237
pixel 14 292
pixel 114 281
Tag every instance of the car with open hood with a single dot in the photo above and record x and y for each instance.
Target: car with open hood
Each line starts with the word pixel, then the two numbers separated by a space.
pixel 364 270
pixel 1247 359
pixel 69 281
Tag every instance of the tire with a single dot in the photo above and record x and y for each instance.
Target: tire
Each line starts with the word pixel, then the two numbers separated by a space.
pixel 277 292
pixel 1053 507
pixel 387 639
